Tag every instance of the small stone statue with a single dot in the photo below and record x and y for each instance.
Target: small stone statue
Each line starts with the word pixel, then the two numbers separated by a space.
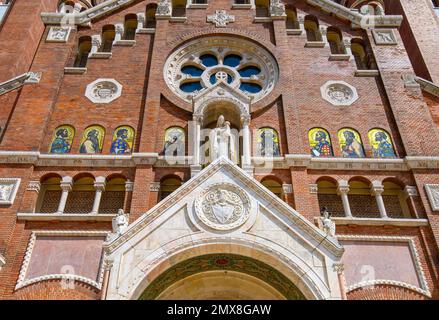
pixel 327 224
pixel 120 222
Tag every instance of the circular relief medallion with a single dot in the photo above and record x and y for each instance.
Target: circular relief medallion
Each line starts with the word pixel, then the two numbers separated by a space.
pixel 339 93
pixel 223 206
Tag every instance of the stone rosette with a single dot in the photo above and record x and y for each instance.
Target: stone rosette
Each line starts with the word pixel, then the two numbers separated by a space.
pixel 223 206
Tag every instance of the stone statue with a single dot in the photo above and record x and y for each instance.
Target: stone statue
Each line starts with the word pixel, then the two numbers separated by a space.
pixel 120 222
pixel 327 224
pixel 222 142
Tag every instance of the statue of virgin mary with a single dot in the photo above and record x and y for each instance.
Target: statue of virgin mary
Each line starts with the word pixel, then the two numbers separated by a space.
pixel 222 142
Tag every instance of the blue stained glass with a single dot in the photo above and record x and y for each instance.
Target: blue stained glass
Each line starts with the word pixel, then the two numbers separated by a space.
pixel 232 60
pixel 191 86
pixel 250 87
pixel 209 60
pixel 192 70
pixel 249 71
pixel 212 79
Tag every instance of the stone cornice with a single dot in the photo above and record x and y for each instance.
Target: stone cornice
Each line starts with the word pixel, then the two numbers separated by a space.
pixel 64 217
pixel 428 86
pixel 19 81
pixel 289 160
pixel 400 222
pixel 85 17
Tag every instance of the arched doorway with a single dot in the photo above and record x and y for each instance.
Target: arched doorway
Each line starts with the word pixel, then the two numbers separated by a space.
pixel 222 276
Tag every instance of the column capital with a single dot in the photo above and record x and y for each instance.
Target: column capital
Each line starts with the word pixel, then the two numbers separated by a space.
pixel 100 183
pixel 34 186
pixel 377 188
pixel 313 188
pixel 343 187
pixel 66 183
pixel 338 267
pixel 410 191
pixel 129 186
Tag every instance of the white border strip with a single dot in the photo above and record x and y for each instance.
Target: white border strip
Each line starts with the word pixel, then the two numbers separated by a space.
pixel 424 289
pixel 23 282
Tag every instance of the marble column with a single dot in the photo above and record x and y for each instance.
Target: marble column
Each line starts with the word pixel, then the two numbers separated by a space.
pixel 339 268
pixel 99 186
pixel 66 186
pixel 377 189
pixel 246 143
pixel 342 191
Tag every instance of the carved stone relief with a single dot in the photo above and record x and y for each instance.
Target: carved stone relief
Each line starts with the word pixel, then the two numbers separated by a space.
pixel 103 90
pixel 339 93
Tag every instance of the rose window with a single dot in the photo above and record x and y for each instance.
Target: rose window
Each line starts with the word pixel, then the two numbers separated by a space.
pixel 203 63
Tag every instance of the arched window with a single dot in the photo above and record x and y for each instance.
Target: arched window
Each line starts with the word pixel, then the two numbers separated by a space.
pixel 350 143
pixel 113 197
pixel 123 140
pixel 150 21
pixel 81 198
pixel 382 146
pixel 49 195
pixel 335 40
pixel 395 200
pixel 168 185
pixel 320 143
pixel 274 186
pixel 92 140
pixel 328 197
pixel 363 204
pixel 291 22
pixel 174 142
pixel 108 34
pixel 130 27
pixel 62 139
pixel 262 8
pixel 268 142
pixel 360 55
pixel 84 47
pixel 179 8
pixel 312 29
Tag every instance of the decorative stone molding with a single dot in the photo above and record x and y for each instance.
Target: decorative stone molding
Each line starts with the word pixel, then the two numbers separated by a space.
pixel 154 187
pixel 277 9
pixel 384 37
pixel 221 18
pixel 8 190
pixel 34 186
pixel 410 191
pixel 100 183
pixel 377 188
pixel 58 34
pixel 287 188
pixel 338 267
pixel 103 90
pixel 339 93
pixel 313 188
pixel 410 81
pixel 223 206
pixel 22 281
pixel 428 86
pixel 129 186
pixel 433 195
pixel 26 216
pixel 397 222
pixel 424 289
pixel 21 80
pixel 221 46
pixel 164 9
pixel 342 187
pixel 66 183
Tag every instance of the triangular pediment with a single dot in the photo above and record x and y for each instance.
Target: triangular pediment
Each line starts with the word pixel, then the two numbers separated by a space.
pixel 222 89
pixel 265 203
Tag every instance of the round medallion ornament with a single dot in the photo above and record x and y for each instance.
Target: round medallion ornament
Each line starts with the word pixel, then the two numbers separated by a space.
pixel 339 93
pixel 103 90
pixel 223 206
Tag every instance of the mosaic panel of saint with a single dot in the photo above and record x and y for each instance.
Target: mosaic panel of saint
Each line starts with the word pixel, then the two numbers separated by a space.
pixel 381 143
pixel 174 142
pixel 62 140
pixel 320 143
pixel 92 140
pixel 268 142
pixel 123 138
pixel 350 143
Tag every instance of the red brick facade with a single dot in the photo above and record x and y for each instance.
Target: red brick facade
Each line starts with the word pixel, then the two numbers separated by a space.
pixel 29 116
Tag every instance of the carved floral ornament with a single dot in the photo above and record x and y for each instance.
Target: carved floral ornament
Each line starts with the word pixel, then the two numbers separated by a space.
pixel 339 93
pixel 221 18
pixel 8 190
pixel 103 91
pixel 223 206
pixel 202 63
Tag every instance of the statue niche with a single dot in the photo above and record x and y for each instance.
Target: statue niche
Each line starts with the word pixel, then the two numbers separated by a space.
pixel 222 141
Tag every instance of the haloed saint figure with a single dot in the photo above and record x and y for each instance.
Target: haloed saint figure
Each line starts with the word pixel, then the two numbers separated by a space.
pixel 60 144
pixel 352 147
pixel 120 145
pixel 322 147
pixel 91 144
pixel 382 148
